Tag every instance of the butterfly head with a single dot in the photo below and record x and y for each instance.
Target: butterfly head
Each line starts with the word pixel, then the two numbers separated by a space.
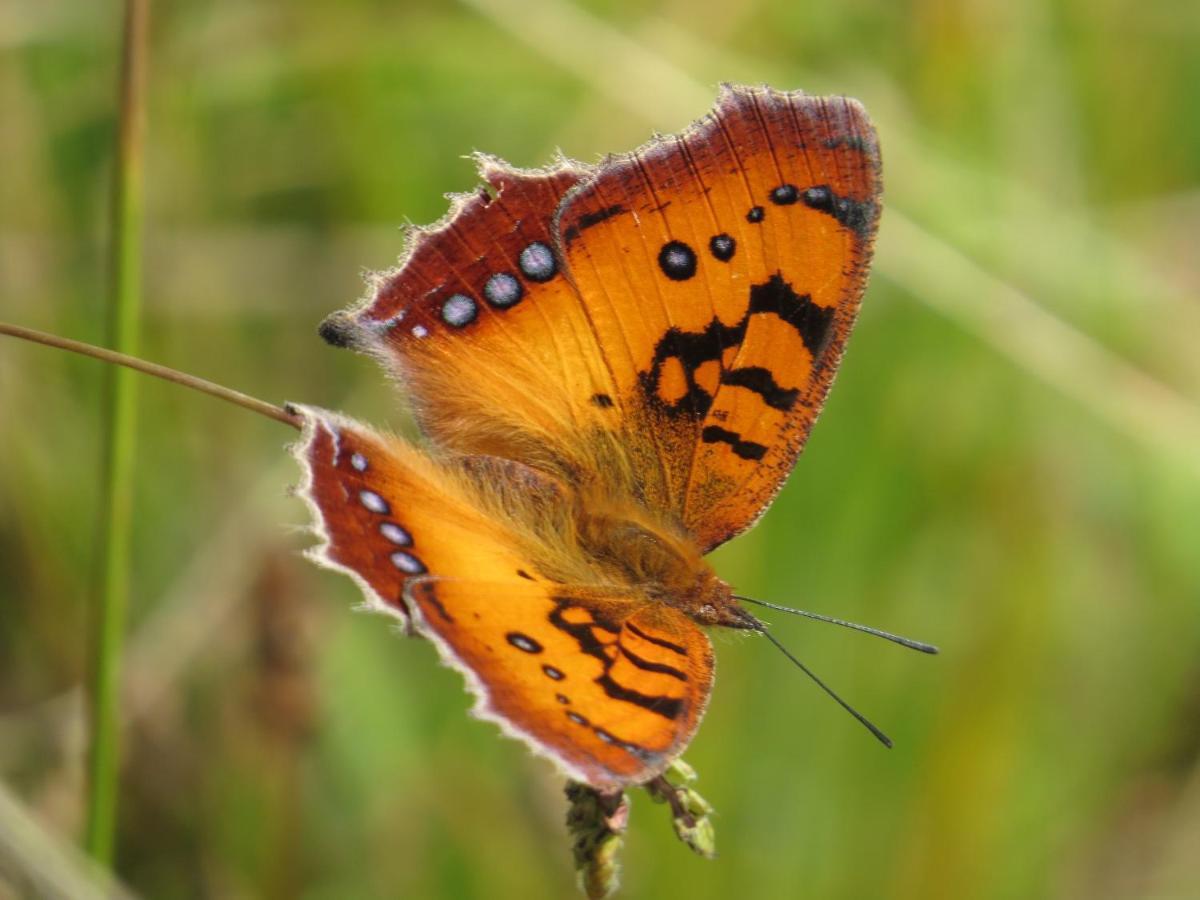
pixel 713 604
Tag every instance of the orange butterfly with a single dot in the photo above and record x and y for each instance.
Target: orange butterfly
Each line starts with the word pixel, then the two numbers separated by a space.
pixel 616 367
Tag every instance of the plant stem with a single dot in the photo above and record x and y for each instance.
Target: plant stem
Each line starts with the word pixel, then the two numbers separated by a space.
pixel 270 410
pixel 112 579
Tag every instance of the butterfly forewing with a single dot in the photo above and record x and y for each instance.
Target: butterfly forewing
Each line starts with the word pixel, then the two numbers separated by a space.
pixel 486 332
pixel 724 269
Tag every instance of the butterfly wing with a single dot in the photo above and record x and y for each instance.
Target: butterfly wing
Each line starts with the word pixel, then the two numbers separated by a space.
pixel 610 687
pixel 745 242
pixel 667 323
pixel 488 335
pixel 373 501
pixel 599 680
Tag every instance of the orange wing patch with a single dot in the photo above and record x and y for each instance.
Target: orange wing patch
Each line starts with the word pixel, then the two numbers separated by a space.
pixel 610 688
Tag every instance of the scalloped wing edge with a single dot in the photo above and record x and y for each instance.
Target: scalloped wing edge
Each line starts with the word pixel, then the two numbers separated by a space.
pixel 481 708
pixel 413 624
pixel 314 418
pixel 490 169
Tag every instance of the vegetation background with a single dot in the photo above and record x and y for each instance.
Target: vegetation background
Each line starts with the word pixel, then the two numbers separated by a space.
pixel 1009 466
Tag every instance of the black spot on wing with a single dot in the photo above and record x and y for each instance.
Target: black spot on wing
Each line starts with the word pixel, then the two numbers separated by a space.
pixel 648 666
pixel 762 382
pixel 714 434
pixel 677 260
pixel 657 641
pixel 537 262
pixel 667 707
pixel 523 642
pixel 857 215
pixel 587 220
pixel 785 195
pixel 850 142
pixel 811 321
pixel 722 247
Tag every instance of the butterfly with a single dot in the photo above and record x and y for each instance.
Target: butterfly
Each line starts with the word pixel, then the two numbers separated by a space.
pixel 614 367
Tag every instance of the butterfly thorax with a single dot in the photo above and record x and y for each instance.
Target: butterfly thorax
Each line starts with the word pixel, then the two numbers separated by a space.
pixel 595 533
pixel 662 565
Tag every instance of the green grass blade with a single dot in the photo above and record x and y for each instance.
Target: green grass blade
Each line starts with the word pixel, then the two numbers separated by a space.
pixel 112 579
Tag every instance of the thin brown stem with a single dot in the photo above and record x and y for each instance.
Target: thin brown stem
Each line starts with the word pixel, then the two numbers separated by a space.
pixel 261 407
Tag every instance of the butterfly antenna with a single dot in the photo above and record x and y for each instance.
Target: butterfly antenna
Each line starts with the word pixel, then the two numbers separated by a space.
pixel 866 629
pixel 174 376
pixel 870 726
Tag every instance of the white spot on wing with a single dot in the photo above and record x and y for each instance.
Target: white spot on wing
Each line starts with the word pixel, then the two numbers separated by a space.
pixel 395 534
pixel 407 563
pixel 374 502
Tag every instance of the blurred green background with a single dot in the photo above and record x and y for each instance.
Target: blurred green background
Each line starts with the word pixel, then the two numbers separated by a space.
pixel 1008 467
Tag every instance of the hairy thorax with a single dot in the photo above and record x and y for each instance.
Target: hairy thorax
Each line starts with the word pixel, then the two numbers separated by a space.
pixel 667 567
pixel 596 533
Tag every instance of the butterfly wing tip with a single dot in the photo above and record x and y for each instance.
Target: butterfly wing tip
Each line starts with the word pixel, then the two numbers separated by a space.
pixel 339 330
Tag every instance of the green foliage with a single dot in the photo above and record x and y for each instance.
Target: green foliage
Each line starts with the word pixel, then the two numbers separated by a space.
pixel 979 479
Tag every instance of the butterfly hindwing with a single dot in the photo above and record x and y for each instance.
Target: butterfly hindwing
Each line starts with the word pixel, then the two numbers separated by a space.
pixel 608 686
pixel 600 680
pixel 388 513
